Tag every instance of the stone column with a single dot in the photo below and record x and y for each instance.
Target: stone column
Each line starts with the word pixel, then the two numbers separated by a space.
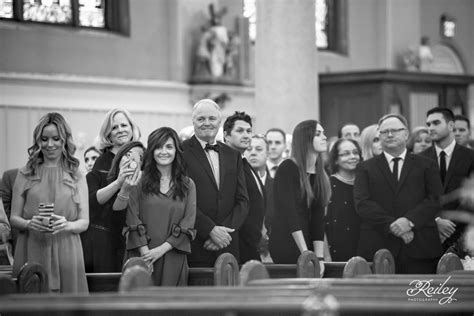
pixel 286 78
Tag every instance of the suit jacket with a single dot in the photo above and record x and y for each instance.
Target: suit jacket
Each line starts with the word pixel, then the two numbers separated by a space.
pixel 269 209
pixel 250 232
pixel 380 200
pixel 223 206
pixel 460 167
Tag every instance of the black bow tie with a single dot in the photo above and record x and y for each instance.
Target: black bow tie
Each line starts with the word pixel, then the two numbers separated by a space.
pixel 212 147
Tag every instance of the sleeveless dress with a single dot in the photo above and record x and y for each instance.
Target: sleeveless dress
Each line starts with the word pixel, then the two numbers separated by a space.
pixel 60 254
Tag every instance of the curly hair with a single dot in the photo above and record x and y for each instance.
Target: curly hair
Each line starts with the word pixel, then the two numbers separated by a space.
pixel 69 163
pixel 302 143
pixel 152 175
pixel 115 167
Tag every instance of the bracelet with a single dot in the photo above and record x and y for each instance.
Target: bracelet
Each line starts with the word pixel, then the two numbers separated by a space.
pixel 321 258
pixel 122 197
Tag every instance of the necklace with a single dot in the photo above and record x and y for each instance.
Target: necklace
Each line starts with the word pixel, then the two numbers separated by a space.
pixel 344 179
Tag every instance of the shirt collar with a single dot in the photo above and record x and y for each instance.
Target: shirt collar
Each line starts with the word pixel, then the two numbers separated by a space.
pixel 390 157
pixel 448 150
pixel 203 143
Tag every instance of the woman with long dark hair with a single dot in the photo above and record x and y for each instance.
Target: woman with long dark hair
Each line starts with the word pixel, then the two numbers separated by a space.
pixel 301 193
pixel 162 210
pixel 50 207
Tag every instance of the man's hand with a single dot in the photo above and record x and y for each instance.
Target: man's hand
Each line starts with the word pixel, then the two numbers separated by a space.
pixel 220 235
pixel 401 226
pixel 407 237
pixel 445 227
pixel 209 245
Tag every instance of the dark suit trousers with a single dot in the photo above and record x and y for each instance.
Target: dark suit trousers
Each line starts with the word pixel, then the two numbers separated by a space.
pixel 407 265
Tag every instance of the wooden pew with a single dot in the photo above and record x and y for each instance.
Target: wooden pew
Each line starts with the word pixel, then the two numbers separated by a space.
pixel 296 300
pixel 449 262
pixel 166 301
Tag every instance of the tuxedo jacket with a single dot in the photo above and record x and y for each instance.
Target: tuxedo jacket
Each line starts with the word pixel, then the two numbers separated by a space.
pixel 250 232
pixel 380 200
pixel 226 205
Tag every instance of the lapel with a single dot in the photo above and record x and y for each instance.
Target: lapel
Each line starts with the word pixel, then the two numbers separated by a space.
pixel 254 176
pixel 455 160
pixel 407 165
pixel 222 162
pixel 382 164
pixel 201 157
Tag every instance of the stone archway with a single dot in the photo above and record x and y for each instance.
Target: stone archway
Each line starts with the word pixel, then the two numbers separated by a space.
pixel 446 60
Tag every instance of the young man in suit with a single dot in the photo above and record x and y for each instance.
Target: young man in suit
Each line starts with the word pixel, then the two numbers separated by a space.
pixel 237 134
pixel 462 130
pixel 221 192
pixel 396 195
pixel 454 163
pixel 276 139
pixel 257 154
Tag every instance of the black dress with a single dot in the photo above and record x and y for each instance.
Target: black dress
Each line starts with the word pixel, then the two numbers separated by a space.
pixel 342 221
pixel 291 213
pixel 103 243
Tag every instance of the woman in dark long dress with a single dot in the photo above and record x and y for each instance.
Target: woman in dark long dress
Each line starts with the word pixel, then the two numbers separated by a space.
pixel 103 243
pixel 51 176
pixel 301 193
pixel 342 221
pixel 162 210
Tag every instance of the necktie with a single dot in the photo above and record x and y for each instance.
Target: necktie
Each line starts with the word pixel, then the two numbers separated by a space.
pixel 395 168
pixel 442 165
pixel 211 147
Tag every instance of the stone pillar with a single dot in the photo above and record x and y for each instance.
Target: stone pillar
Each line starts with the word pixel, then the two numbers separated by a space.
pixel 286 78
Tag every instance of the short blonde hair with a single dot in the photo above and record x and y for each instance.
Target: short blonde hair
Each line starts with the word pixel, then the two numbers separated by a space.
pixel 106 128
pixel 367 139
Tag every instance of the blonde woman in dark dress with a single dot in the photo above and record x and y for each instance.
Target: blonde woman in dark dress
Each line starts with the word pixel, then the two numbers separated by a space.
pixel 162 210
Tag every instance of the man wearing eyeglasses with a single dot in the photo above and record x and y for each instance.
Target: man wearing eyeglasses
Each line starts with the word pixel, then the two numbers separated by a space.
pixel 455 163
pixel 396 195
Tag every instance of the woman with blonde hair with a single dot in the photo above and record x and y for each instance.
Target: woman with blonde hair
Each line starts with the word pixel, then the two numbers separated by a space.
pixel 301 193
pixel 370 142
pixel 103 243
pixel 50 207
pixel 419 140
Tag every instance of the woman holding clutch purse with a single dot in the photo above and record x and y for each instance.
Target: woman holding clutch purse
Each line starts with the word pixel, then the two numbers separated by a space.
pixel 50 176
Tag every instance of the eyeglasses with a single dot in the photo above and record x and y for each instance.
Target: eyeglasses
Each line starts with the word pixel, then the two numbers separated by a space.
pixel 395 131
pixel 347 153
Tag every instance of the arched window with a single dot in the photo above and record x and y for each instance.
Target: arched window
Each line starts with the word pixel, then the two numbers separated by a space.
pixel 99 14
pixel 331 23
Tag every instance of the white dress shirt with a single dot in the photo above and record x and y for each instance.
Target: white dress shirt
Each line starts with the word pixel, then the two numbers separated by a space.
pixel 449 153
pixel 400 162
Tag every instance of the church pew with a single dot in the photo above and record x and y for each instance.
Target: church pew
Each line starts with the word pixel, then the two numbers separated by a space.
pixel 211 302
pixel 381 300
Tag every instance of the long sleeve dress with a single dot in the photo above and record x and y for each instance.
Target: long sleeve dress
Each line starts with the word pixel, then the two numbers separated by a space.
pixel 154 219
pixel 342 221
pixel 104 245
pixel 60 254
pixel 291 214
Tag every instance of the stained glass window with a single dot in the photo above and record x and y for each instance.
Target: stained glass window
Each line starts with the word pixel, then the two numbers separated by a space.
pixel 250 12
pixel 49 11
pixel 322 36
pixel 78 13
pixel 6 9
pixel 91 13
